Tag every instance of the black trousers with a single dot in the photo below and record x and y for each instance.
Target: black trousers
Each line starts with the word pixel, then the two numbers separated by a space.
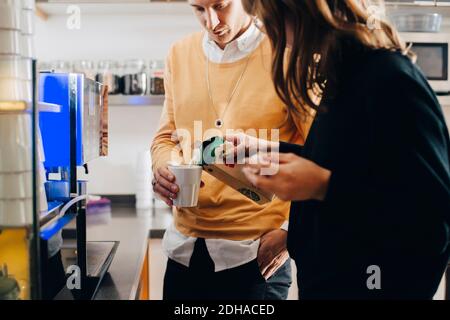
pixel 200 282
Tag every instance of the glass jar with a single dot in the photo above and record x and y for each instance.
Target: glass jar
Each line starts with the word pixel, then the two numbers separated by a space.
pixel 134 66
pixel 44 66
pixel 85 66
pixel 135 78
pixel 108 74
pixel 157 77
pixel 61 66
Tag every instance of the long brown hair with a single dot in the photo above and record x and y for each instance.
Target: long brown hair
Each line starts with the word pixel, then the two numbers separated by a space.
pixel 319 26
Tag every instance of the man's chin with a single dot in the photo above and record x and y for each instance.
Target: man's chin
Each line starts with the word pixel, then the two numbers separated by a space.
pixel 222 40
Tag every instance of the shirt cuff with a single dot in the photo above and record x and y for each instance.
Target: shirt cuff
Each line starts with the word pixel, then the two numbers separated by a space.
pixel 285 226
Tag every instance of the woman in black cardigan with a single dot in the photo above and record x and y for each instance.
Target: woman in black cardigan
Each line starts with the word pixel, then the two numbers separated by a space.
pixel 370 217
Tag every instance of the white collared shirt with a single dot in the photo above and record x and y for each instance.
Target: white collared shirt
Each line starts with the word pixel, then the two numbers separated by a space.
pixel 226 254
pixel 235 50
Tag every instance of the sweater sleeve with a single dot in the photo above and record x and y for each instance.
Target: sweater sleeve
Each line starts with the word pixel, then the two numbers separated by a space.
pixel 164 146
pixel 407 184
pixel 303 126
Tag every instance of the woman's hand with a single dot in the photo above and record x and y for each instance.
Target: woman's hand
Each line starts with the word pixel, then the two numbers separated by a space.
pixel 240 146
pixel 293 179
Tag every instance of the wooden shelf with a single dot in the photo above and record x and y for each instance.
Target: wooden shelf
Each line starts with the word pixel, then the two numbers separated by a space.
pixel 122 100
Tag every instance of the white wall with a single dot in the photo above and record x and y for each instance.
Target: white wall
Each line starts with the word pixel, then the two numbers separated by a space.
pixel 112 36
pixel 117 37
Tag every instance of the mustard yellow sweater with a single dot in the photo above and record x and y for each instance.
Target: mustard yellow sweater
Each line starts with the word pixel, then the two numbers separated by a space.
pixel 222 213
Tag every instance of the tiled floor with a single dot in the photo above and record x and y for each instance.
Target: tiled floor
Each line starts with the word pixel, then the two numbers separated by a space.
pixel 158 266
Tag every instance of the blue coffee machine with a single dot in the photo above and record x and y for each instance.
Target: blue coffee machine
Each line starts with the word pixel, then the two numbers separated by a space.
pixel 71 138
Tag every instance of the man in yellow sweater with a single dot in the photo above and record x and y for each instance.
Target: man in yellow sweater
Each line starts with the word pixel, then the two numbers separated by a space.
pixel 228 247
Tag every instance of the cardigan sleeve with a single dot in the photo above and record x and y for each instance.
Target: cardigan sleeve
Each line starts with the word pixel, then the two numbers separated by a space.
pixel 408 180
pixel 286 147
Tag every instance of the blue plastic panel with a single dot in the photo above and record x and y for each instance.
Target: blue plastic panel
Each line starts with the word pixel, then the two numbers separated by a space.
pixel 49 232
pixel 55 127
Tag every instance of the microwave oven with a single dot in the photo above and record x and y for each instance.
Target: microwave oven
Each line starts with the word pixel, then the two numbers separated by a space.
pixel 432 50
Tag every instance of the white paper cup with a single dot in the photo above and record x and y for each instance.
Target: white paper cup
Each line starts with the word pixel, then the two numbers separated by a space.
pixel 15 143
pixel 10 17
pixel 15 158
pixel 12 89
pixel 14 3
pixel 15 67
pixel 16 185
pixel 10 42
pixel 188 179
pixel 15 213
pixel 10 67
pixel 27 22
pixel 27 89
pixel 17 128
pixel 27 46
pixel 28 4
pixel 26 69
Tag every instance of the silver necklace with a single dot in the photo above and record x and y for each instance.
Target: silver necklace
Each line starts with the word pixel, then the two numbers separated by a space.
pixel 219 120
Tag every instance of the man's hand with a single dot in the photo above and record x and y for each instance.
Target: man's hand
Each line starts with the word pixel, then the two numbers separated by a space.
pixel 164 185
pixel 272 253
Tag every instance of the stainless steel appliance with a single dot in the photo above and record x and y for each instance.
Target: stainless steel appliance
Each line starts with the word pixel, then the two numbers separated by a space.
pixel 417 22
pixel 433 58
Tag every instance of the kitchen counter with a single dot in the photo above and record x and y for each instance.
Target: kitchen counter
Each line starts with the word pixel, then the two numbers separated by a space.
pixel 133 230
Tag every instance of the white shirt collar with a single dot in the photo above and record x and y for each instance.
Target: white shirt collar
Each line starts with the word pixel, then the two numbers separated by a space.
pixel 235 50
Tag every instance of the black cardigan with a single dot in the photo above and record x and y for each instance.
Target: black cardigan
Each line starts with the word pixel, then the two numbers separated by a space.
pixel 385 140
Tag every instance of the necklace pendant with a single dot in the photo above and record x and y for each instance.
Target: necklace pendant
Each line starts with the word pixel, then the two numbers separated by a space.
pixel 219 123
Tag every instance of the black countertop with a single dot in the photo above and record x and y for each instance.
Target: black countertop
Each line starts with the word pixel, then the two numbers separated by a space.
pixel 132 229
